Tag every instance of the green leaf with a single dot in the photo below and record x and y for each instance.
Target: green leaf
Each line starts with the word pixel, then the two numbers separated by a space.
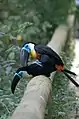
pixel 11 56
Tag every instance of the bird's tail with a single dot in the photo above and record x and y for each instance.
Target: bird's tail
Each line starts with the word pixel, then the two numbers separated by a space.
pixel 67 72
pixel 70 72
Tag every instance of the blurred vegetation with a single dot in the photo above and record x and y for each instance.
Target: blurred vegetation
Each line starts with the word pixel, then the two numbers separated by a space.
pixel 35 21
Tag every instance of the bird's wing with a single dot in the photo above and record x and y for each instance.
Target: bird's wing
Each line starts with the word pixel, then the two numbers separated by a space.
pixel 42 49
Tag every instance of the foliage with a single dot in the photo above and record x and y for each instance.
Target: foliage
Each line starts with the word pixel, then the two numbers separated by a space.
pixel 37 23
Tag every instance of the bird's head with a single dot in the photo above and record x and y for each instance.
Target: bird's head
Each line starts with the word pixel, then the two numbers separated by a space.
pixel 26 51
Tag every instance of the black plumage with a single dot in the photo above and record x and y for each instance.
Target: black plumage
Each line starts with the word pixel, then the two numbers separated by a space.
pixel 43 49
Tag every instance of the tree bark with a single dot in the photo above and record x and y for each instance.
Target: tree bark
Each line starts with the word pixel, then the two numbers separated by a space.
pixel 34 101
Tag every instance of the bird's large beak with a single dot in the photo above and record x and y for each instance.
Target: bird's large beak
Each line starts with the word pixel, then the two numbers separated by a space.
pixel 24 55
pixel 14 83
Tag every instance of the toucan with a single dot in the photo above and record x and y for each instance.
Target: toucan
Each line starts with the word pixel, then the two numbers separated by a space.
pixel 47 61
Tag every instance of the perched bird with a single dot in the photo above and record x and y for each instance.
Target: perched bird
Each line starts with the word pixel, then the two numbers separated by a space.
pixel 47 62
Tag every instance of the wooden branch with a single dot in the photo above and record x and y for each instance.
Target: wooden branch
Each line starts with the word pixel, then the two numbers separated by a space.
pixel 33 103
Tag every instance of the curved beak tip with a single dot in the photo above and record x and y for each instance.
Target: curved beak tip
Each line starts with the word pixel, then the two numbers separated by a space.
pixel 12 89
pixel 14 83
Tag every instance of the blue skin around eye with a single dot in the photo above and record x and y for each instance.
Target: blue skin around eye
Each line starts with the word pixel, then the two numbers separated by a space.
pixel 27 48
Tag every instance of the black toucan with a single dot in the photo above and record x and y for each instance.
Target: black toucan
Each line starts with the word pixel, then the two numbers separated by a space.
pixel 47 62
